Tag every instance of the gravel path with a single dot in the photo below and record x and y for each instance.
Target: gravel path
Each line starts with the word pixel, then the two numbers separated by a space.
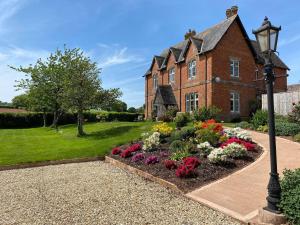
pixel 94 193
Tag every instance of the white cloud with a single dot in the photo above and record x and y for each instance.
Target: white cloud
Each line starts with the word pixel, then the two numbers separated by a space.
pixel 15 56
pixel 288 41
pixel 8 8
pixel 117 56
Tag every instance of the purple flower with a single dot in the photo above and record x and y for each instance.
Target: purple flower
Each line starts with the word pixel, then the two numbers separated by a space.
pixel 138 157
pixel 152 160
pixel 164 154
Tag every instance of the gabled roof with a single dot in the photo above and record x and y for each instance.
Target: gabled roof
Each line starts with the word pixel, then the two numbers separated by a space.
pixel 164 95
pixel 275 59
pixel 208 39
pixel 159 60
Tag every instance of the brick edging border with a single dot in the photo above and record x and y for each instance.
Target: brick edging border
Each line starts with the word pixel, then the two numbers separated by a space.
pixel 51 163
pixel 143 174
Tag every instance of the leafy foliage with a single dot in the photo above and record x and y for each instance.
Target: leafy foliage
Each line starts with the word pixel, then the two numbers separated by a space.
pixel 177 145
pixel 179 155
pixel 260 118
pixel 290 195
pixel 206 113
pixel 287 129
pixel 181 120
pixel 297 137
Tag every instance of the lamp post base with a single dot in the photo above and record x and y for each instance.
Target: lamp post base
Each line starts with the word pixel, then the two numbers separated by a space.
pixel 266 217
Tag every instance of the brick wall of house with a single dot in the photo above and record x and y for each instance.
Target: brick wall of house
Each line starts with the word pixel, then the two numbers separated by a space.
pixel 233 46
pixel 216 64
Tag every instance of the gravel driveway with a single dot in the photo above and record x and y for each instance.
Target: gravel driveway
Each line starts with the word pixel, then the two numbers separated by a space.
pixel 94 193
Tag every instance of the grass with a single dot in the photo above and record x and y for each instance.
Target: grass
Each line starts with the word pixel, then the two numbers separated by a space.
pixel 44 144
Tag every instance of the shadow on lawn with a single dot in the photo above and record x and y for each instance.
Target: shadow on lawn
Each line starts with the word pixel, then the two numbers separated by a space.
pixel 114 131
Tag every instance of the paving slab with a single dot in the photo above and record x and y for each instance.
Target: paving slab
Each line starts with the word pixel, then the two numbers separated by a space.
pixel 243 193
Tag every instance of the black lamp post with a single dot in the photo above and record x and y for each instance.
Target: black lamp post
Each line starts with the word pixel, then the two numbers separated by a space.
pixel 267 37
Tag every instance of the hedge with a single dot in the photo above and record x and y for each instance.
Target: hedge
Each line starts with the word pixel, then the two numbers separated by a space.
pixel 28 120
pixel 290 196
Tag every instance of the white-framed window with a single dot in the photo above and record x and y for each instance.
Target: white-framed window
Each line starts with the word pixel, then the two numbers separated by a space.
pixel 235 68
pixel 234 102
pixel 155 81
pixel 171 75
pixel 191 102
pixel 192 69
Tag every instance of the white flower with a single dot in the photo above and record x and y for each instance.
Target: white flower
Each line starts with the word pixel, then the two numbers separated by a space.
pixel 151 141
pixel 238 132
pixel 217 155
pixel 235 150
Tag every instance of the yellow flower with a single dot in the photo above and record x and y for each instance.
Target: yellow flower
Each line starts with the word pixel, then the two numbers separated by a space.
pixel 163 129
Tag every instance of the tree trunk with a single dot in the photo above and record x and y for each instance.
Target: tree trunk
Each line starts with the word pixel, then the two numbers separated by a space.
pixel 56 115
pixel 80 123
pixel 44 117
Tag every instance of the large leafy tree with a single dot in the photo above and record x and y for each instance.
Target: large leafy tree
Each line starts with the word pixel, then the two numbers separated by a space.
pixel 44 84
pixel 21 101
pixel 66 81
pixel 82 86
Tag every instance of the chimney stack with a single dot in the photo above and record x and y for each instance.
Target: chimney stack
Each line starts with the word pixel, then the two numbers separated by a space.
pixel 189 34
pixel 231 12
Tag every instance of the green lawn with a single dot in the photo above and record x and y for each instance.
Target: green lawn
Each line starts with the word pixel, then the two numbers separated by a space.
pixel 42 144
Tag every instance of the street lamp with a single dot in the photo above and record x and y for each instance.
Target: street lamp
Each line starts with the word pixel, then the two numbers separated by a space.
pixel 267 37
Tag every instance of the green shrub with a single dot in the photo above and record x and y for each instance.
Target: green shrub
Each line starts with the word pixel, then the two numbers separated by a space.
pixel 189 147
pixel 27 120
pixel 179 155
pixel 119 116
pixel 181 120
pixel 176 146
pixel 172 111
pixel 260 118
pixel 290 195
pixel 208 135
pixel 297 137
pixel 263 128
pixel 281 118
pixel 206 113
pixel 286 129
pixel 244 125
pixel 183 134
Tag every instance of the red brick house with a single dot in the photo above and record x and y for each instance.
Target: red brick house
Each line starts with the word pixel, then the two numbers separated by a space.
pixel 220 66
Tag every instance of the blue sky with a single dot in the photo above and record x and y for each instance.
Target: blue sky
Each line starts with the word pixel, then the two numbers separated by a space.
pixel 123 35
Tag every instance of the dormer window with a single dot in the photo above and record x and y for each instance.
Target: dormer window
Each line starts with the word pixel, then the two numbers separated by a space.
pixel 172 75
pixel 155 81
pixel 234 68
pixel 192 69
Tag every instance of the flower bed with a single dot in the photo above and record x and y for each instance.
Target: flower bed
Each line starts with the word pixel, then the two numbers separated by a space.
pixel 190 157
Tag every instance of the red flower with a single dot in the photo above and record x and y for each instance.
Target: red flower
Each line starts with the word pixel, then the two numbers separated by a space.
pixel 184 171
pixel 170 164
pixel 134 148
pixel 126 153
pixel 116 151
pixel 191 162
pixel 248 145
